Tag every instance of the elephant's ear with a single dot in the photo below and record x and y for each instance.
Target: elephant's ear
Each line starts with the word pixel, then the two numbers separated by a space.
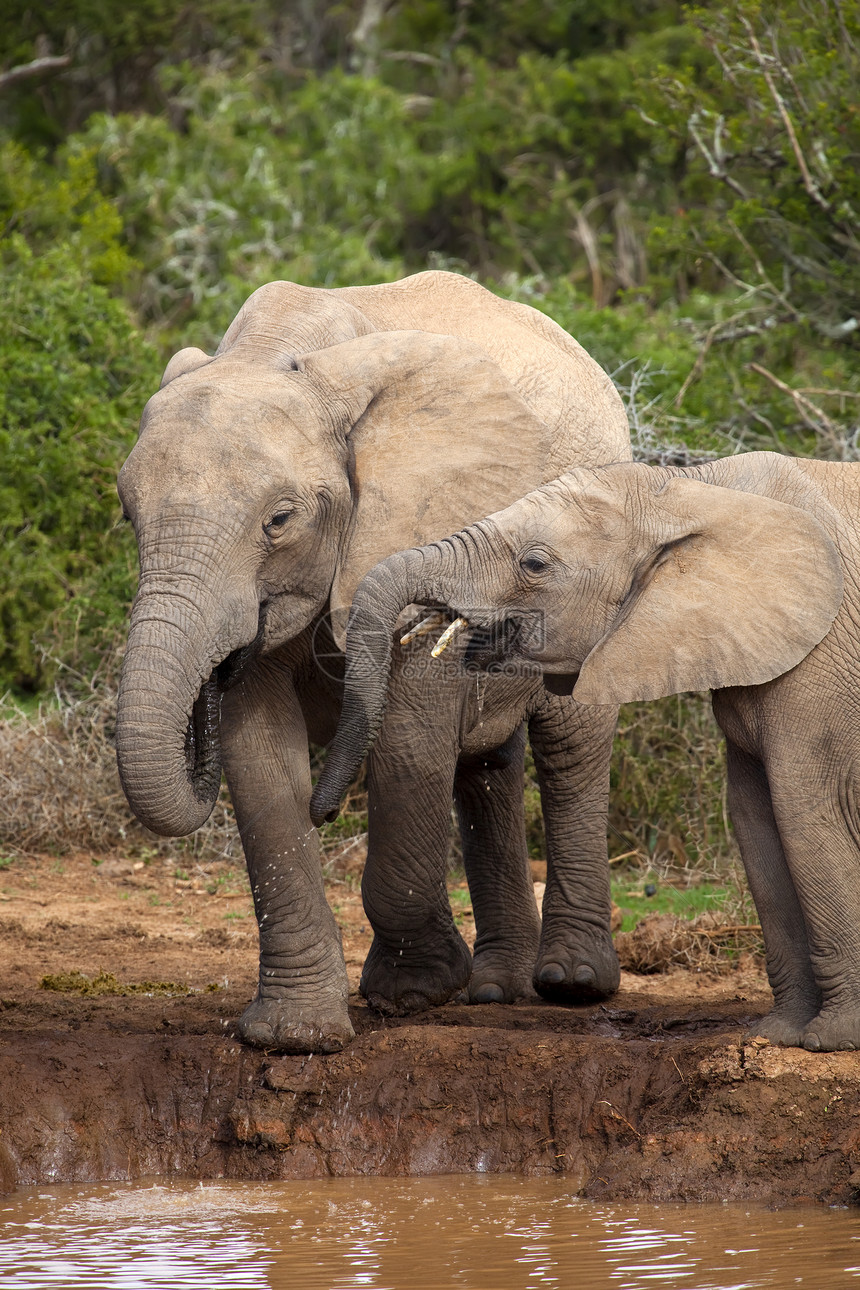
pixel 742 589
pixel 438 437
pixel 186 360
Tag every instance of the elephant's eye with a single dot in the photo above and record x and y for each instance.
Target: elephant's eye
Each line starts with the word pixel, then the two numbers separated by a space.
pixel 277 523
pixel 534 564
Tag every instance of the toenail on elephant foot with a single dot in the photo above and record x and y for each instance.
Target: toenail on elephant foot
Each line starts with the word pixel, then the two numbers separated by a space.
pixel 552 974
pixel 784 1026
pixel 489 992
pixel 405 1004
pixel 814 1043
pixel 284 1028
pixel 503 973
pixel 583 977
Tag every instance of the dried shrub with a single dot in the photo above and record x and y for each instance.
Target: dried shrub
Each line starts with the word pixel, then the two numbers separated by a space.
pixel 60 785
pixel 707 943
pixel 668 787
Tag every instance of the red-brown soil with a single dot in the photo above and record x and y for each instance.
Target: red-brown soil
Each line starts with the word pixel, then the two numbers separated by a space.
pixel 655 1095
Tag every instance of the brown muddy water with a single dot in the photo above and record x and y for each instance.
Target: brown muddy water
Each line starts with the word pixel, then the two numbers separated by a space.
pixel 473 1233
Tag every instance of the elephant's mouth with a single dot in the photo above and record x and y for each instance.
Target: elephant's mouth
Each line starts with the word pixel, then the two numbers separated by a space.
pixel 490 645
pixel 494 643
pixel 560 683
pixel 499 645
pixel 232 668
pixel 202 734
pixel 202 742
pixel 496 649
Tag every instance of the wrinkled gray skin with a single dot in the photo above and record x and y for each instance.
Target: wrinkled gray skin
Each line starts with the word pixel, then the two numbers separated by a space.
pixel 330 429
pixel 631 582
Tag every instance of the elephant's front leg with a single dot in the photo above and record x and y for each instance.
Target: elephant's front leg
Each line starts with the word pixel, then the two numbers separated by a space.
pixel 489 796
pixel 301 1003
pixel 572 746
pixel 418 958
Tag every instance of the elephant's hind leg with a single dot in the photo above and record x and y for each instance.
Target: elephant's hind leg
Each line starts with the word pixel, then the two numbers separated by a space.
pixel 796 996
pixel 818 820
pixel 301 1003
pixel 572 745
pixel 488 792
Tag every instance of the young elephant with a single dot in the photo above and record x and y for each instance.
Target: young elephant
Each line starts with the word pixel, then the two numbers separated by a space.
pixel 631 582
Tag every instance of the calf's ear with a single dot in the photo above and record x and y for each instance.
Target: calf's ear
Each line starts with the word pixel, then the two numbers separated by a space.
pixel 739 590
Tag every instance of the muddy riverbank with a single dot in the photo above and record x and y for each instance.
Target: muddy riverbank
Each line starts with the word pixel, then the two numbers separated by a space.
pixel 655 1096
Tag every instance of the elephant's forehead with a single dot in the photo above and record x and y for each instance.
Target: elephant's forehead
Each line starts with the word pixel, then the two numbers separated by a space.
pixel 166 454
pixel 206 431
pixel 188 461
pixel 233 404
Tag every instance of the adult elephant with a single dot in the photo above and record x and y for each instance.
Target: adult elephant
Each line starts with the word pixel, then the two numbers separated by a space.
pixel 331 428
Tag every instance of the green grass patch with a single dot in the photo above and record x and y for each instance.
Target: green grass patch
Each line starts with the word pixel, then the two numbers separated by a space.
pixel 640 894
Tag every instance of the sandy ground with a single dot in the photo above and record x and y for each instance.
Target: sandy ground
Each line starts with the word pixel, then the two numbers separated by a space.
pixel 191 929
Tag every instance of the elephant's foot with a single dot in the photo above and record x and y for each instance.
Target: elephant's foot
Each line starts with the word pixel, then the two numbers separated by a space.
pixel 498 980
pixel 502 970
pixel 835 1029
pixel 784 1026
pixel 396 984
pixel 576 967
pixel 284 1025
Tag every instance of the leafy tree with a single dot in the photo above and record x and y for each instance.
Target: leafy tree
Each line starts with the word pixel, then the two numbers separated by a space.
pixel 546 166
pixel 312 186
pixel 770 208
pixel 112 52
pixel 501 31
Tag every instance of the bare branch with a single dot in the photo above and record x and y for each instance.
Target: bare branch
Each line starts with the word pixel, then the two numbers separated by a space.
pixel 588 240
pixel 810 413
pixel 831 394
pixel 411 56
pixel 714 159
pixel 38 67
pixel 837 5
pixel 760 269
pixel 696 370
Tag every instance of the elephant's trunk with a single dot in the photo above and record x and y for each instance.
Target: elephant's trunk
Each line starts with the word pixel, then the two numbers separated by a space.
pixel 423 576
pixel 167 730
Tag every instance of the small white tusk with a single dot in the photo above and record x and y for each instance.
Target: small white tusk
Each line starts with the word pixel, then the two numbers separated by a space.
pixel 428 624
pixel 448 635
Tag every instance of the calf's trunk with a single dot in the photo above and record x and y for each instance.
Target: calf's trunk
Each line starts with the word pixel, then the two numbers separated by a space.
pixel 422 575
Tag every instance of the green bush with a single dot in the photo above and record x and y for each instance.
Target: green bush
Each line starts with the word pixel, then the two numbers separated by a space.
pixel 113 52
pixel 343 178
pixel 74 372
pixel 48 205
pixel 766 136
pixel 501 30
pixel 311 187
